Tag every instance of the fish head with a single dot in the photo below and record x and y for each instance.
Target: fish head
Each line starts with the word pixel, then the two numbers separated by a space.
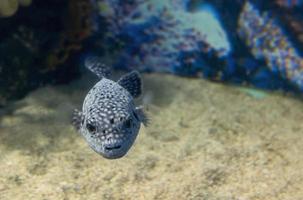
pixel 111 130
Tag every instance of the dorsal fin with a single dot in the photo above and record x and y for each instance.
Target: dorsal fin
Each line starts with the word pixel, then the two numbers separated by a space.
pixel 132 83
pixel 95 65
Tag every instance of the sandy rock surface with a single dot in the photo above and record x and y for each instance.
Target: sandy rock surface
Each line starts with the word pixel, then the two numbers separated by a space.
pixel 205 141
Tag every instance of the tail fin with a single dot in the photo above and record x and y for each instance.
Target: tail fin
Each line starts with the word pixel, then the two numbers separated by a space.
pixel 95 65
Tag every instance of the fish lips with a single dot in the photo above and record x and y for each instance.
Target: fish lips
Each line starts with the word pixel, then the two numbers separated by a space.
pixel 114 151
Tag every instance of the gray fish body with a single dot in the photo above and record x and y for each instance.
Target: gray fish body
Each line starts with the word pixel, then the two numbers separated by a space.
pixel 108 106
pixel 109 120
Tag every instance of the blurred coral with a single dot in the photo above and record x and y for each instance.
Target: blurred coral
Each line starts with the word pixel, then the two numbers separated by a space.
pixel 10 7
pixel 240 41
pixel 296 26
pixel 163 35
pixel 289 3
pixel 247 42
pixel 269 42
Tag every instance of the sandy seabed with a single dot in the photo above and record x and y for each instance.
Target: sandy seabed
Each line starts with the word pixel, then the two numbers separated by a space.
pixel 205 141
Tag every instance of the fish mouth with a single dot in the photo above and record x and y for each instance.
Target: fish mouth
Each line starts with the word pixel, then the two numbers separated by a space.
pixel 110 148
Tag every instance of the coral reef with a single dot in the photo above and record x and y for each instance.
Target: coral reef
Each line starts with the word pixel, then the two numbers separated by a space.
pixel 230 40
pixel 164 35
pixel 289 3
pixel 207 38
pixel 268 41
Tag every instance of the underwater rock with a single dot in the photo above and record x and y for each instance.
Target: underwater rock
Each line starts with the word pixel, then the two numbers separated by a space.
pixel 233 147
pixel 77 27
pixel 8 7
pixel 40 44
pixel 25 2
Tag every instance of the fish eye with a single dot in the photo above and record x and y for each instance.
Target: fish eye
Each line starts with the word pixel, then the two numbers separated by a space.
pixel 128 123
pixel 91 128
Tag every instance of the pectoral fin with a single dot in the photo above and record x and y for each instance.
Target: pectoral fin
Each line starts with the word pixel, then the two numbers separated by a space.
pixel 141 115
pixel 77 119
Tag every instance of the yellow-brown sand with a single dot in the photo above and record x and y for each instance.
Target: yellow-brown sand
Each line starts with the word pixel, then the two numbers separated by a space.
pixel 205 141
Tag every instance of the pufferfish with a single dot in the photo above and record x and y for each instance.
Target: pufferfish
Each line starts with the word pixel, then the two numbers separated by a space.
pixel 109 120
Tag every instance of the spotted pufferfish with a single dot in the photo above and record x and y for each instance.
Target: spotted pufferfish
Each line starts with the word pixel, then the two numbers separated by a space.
pixel 109 120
